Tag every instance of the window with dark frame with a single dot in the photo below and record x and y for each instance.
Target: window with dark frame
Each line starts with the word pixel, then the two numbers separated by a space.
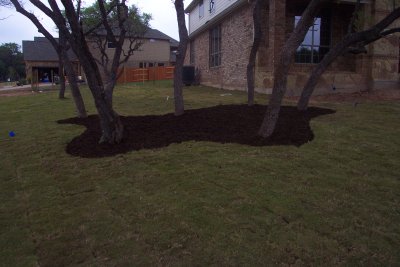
pixel 111 44
pixel 212 6
pixel 215 46
pixel 317 42
pixel 192 55
pixel 201 9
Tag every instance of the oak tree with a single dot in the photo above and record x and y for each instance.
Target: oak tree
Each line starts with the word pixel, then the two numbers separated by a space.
pixel 66 15
pixel 61 48
pixel 123 31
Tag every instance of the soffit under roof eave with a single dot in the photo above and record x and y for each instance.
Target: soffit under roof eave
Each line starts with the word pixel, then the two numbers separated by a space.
pixel 234 6
pixel 354 1
pixel 192 5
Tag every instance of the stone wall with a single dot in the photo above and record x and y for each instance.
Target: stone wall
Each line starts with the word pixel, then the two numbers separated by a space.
pixel 342 75
pixel 385 60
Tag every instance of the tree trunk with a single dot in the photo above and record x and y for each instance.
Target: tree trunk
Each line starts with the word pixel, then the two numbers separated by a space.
pixel 73 83
pixel 178 90
pixel 61 93
pixel 180 58
pixel 282 68
pixel 75 91
pixel 317 72
pixel 109 86
pixel 257 10
pixel 250 80
pixel 110 122
pixel 280 80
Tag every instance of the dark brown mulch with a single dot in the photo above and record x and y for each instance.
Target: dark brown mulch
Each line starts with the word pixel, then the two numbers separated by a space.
pixel 222 124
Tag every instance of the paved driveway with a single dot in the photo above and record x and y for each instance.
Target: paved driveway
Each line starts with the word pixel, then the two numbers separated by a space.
pixel 24 87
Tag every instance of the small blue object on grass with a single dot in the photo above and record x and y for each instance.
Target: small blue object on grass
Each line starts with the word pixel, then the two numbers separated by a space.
pixel 11 134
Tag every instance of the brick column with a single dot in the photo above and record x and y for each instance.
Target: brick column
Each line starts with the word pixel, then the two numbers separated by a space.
pixel 385 52
pixel 262 56
pixel 277 30
pixel 364 61
pixel 274 40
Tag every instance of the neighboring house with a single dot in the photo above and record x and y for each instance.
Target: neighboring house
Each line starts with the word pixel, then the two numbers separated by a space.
pixel 156 45
pixel 42 61
pixel 221 36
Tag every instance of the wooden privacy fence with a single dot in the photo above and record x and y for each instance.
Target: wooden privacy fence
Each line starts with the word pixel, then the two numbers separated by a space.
pixel 129 75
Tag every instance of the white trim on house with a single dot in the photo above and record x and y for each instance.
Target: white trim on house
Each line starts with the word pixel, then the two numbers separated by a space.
pixel 354 1
pixel 221 8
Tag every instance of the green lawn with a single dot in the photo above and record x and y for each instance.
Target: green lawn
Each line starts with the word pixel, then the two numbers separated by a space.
pixel 333 201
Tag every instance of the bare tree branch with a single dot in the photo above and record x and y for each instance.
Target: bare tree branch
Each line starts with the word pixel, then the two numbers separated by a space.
pixel 35 21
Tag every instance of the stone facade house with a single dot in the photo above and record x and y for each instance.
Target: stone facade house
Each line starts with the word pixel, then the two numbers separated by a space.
pixel 41 60
pixel 221 35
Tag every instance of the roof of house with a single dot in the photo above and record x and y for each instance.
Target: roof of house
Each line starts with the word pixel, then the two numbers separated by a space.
pixel 40 49
pixel 215 18
pixel 149 34
pixel 156 34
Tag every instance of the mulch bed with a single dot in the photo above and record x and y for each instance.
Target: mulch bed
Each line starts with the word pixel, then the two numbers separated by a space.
pixel 222 124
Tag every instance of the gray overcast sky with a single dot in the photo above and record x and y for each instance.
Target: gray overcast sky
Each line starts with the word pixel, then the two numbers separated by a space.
pixel 15 27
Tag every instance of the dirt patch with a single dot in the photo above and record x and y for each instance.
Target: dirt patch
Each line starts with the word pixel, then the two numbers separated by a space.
pixel 358 97
pixel 15 93
pixel 222 124
pixel 22 92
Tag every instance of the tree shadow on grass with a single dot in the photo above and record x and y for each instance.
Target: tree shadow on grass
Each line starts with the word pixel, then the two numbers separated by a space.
pixel 222 124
